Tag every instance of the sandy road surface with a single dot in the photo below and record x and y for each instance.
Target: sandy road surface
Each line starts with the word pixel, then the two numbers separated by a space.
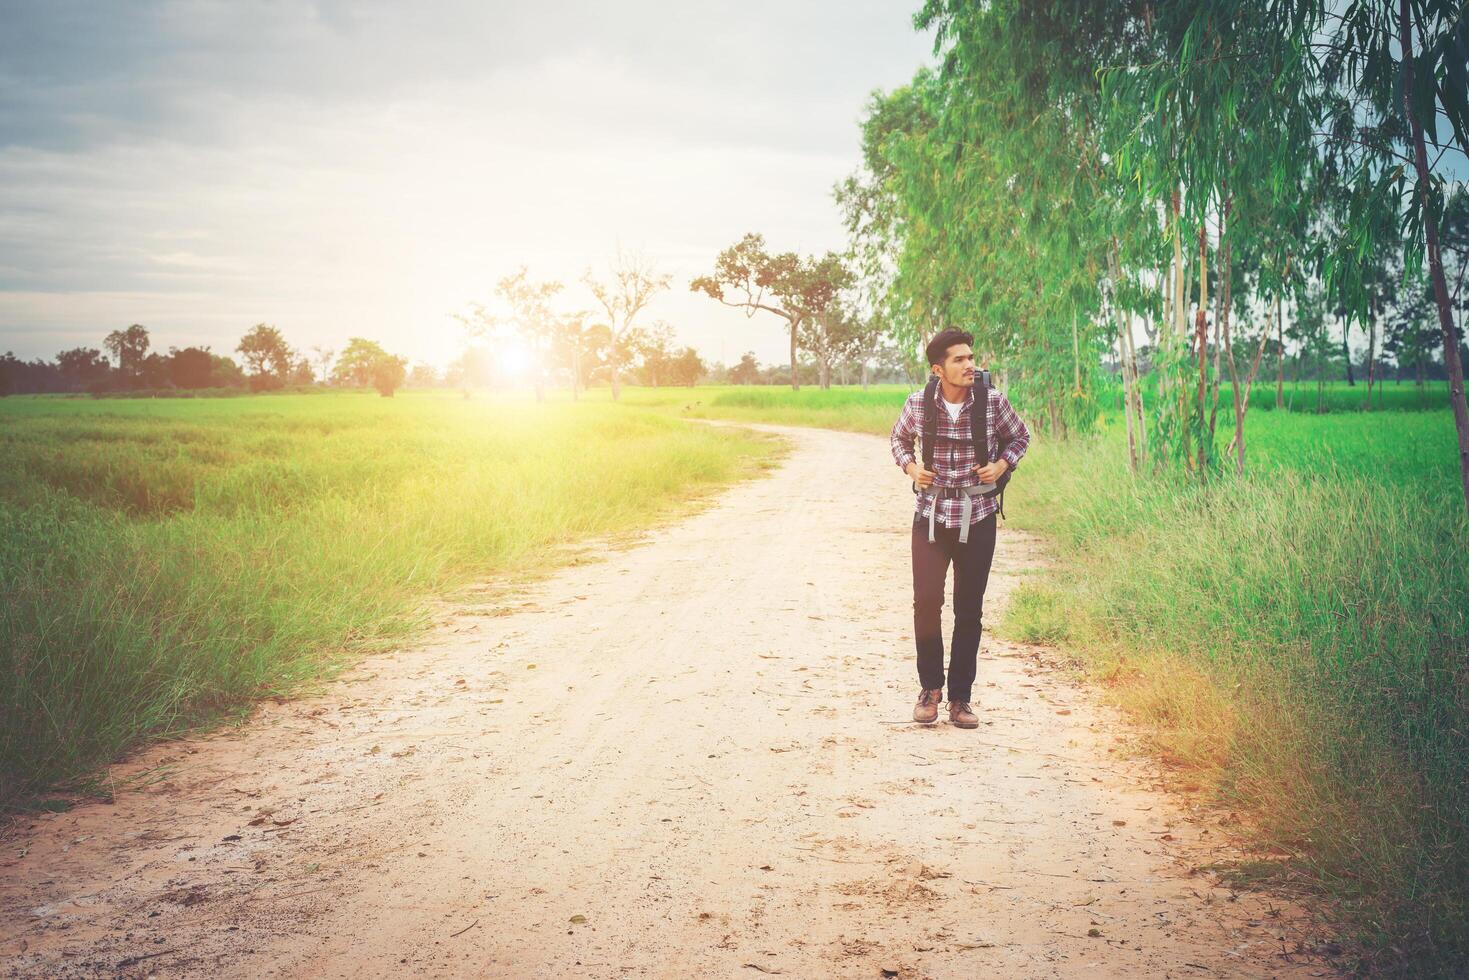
pixel 690 759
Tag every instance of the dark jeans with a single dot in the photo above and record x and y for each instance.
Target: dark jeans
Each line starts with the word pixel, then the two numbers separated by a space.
pixel 971 575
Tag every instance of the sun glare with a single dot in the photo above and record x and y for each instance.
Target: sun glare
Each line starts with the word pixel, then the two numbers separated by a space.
pixel 515 360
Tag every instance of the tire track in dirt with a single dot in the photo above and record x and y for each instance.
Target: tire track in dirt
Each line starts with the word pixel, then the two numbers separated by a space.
pixel 690 758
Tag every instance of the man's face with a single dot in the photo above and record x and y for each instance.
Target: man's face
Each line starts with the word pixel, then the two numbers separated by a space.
pixel 958 366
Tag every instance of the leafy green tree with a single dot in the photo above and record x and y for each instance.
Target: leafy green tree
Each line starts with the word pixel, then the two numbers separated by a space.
pixel 747 371
pixel 155 371
pixel 654 348
pixel 388 374
pixel 1395 70
pixel 191 367
pixel 224 372
pixel 19 377
pixel 686 367
pixel 83 368
pixel 972 179
pixel 357 362
pixel 300 372
pixel 267 355
pixel 747 277
pixel 1412 332
pixel 829 330
pixel 128 347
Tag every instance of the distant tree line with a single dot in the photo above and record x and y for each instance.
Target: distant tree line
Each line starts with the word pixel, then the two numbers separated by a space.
pixel 128 366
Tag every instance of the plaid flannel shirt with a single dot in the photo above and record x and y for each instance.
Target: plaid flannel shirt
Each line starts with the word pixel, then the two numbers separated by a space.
pixel 954 452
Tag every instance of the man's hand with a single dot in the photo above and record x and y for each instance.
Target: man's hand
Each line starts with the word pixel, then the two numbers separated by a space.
pixel 918 474
pixel 992 472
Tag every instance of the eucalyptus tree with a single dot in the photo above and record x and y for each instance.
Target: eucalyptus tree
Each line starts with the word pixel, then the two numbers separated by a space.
pixel 874 216
pixel 973 172
pixel 1399 72
pixel 1134 164
pixel 1205 113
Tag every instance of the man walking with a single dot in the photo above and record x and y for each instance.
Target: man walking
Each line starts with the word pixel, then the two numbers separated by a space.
pixel 954 521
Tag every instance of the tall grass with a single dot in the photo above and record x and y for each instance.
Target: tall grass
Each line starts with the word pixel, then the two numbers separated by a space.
pixel 1298 636
pixel 164 563
pixel 1295 640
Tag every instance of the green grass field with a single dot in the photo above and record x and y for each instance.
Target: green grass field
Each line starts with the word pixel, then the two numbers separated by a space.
pixel 166 562
pixel 1294 639
pixel 1295 636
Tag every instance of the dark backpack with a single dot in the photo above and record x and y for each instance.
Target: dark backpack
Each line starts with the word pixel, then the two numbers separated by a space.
pixel 979 430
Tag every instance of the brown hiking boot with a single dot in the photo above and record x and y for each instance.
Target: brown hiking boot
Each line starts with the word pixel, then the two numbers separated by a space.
pixel 960 716
pixel 926 710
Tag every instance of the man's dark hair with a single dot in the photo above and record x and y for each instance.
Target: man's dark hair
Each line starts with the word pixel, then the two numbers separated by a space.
pixel 943 340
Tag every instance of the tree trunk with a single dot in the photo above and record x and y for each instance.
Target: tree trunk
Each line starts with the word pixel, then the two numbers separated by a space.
pixel 1220 298
pixel 795 378
pixel 1201 337
pixel 1075 358
pixel 1240 397
pixel 1254 371
pixel 1280 353
pixel 1128 387
pixel 1371 351
pixel 1137 391
pixel 1224 329
pixel 1128 355
pixel 1239 403
pixel 1321 375
pixel 1435 259
pixel 1180 282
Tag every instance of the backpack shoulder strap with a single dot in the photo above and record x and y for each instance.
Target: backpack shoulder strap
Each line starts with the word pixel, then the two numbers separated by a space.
pixel 979 417
pixel 930 420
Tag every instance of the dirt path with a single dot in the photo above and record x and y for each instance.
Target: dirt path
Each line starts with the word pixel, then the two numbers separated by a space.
pixel 691 759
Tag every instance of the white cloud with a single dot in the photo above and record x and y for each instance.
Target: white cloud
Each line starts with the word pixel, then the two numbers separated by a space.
pixel 337 172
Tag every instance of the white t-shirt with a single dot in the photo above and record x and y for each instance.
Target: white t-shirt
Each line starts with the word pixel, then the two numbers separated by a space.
pixel 954 408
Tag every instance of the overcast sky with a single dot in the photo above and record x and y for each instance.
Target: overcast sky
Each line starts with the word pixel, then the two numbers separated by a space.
pixel 369 168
